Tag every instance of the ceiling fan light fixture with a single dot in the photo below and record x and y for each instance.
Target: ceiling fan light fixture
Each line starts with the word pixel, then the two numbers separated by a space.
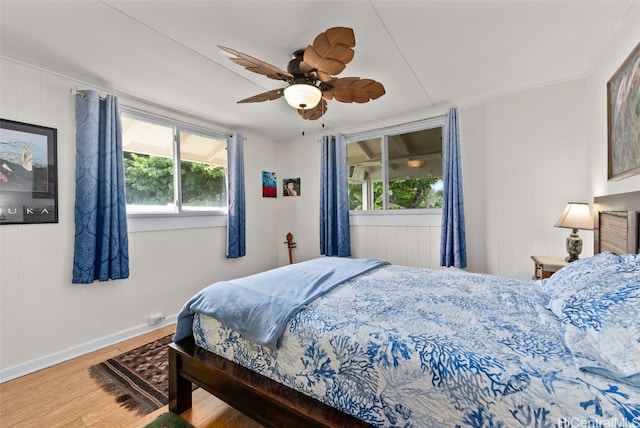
pixel 302 96
pixel 311 75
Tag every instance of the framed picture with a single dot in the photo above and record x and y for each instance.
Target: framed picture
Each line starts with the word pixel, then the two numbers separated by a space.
pixel 28 173
pixel 269 185
pixel 291 187
pixel 623 119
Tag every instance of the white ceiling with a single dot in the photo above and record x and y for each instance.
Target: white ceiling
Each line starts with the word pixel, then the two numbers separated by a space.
pixel 428 54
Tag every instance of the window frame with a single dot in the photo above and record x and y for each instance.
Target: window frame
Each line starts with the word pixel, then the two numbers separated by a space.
pixel 176 216
pixel 384 134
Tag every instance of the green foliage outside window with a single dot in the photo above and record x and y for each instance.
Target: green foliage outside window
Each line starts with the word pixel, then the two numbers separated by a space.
pixel 403 194
pixel 414 193
pixel 149 181
pixel 355 196
pixel 203 185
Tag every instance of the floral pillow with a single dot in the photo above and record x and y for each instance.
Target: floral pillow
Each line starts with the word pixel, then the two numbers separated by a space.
pixel 598 302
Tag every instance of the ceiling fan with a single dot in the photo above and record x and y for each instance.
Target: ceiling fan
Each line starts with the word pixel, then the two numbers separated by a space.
pixel 311 75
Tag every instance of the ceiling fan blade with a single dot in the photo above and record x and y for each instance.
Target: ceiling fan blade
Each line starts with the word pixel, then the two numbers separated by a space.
pixel 255 65
pixel 316 112
pixel 330 52
pixel 265 96
pixel 354 90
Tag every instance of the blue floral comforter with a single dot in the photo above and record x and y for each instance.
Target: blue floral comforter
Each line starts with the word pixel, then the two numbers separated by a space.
pixel 412 347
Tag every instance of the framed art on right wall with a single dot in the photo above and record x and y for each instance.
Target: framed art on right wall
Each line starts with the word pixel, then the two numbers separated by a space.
pixel 623 119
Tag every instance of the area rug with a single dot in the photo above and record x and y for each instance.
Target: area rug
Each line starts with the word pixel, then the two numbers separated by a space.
pixel 169 420
pixel 139 379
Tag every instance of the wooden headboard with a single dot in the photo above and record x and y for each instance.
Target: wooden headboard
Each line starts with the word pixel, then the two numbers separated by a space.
pixel 616 219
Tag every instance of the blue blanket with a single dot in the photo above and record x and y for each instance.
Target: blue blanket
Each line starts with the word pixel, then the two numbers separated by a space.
pixel 259 306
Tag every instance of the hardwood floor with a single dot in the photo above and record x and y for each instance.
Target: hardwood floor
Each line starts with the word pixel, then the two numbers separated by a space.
pixel 66 396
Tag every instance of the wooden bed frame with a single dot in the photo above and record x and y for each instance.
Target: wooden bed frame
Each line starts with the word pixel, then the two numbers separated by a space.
pixel 616 219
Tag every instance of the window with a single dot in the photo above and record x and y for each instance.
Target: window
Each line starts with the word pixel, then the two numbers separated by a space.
pixel 171 167
pixel 397 168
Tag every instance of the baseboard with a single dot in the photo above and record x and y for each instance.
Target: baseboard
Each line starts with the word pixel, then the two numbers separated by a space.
pixel 85 348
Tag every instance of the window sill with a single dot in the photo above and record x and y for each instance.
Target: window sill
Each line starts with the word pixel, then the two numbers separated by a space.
pixel 422 217
pixel 147 222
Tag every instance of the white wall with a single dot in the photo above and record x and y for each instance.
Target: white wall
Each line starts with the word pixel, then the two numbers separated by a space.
pixel 299 214
pixel 43 317
pixel 532 146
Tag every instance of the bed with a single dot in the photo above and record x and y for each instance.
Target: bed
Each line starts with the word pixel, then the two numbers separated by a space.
pixel 452 349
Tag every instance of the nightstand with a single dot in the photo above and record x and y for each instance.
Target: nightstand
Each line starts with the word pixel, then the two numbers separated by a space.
pixel 545 266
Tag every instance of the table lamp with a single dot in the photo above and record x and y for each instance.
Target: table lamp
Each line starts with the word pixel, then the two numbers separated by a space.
pixel 575 216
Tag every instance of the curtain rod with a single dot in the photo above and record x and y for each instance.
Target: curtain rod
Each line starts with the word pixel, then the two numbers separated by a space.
pixel 84 95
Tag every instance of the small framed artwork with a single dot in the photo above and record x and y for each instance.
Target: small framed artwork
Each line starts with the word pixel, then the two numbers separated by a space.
pixel 28 173
pixel 269 185
pixel 623 119
pixel 291 187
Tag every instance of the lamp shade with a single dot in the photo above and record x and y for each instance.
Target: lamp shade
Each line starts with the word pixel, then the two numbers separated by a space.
pixel 576 215
pixel 302 96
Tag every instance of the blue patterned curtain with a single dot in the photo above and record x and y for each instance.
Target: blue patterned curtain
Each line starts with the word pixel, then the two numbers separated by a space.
pixel 101 250
pixel 236 228
pixel 453 246
pixel 335 239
